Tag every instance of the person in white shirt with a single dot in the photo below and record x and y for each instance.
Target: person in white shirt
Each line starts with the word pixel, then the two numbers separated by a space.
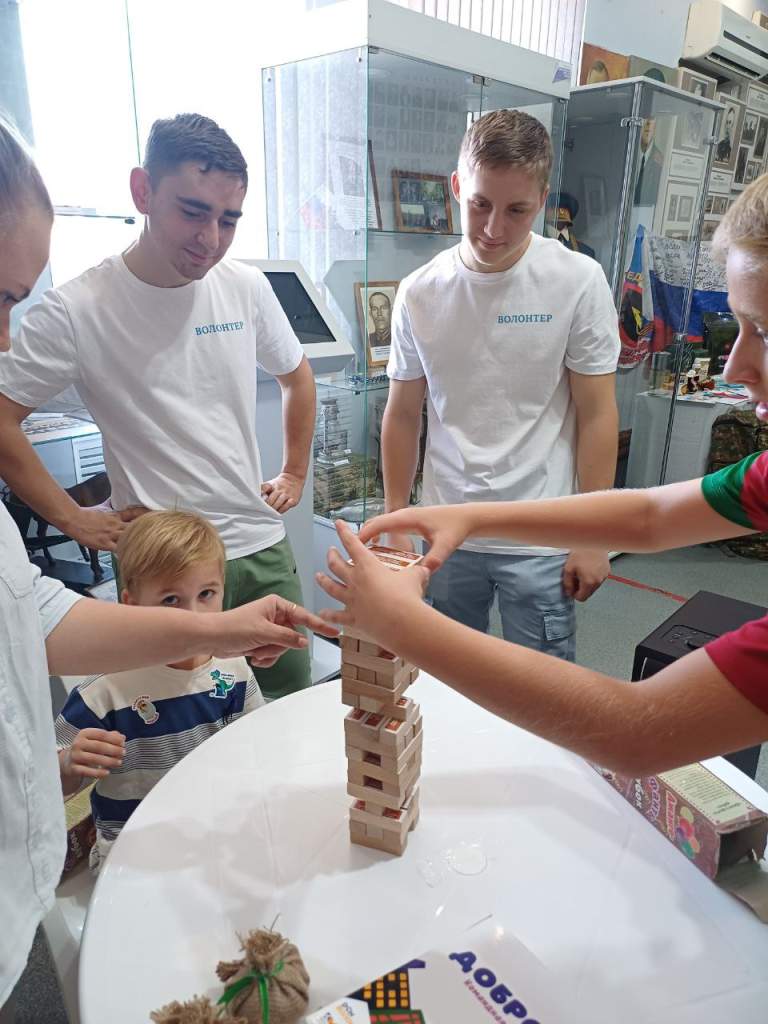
pixel 514 341
pixel 46 628
pixel 163 343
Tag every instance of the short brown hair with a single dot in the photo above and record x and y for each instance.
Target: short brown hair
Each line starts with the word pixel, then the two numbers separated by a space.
pixel 508 138
pixel 745 225
pixel 191 137
pixel 164 545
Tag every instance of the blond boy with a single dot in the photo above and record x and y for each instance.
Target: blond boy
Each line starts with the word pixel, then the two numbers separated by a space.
pixel 126 729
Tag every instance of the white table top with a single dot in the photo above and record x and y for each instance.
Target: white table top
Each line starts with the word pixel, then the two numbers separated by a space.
pixel 253 824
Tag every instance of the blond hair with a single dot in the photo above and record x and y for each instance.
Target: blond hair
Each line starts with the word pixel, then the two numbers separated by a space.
pixel 164 545
pixel 20 183
pixel 508 138
pixel 745 225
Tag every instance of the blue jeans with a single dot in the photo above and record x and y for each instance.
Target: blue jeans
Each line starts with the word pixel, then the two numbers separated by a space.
pixel 534 610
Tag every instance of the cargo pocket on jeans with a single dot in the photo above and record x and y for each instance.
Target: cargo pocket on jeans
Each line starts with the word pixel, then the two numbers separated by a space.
pixel 558 625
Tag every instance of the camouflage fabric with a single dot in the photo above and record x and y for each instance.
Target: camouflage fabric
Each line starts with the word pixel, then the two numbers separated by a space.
pixel 735 435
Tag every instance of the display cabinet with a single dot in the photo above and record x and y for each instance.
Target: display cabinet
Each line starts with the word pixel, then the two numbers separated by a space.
pixel 636 169
pixel 365 107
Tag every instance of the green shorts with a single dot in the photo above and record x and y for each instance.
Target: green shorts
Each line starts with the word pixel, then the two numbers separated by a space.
pixel 272 571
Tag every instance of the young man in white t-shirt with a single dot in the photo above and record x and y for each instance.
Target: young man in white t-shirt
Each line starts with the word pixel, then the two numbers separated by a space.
pixel 514 340
pixel 163 343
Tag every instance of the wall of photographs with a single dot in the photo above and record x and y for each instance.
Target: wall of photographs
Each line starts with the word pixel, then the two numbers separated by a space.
pixel 741 150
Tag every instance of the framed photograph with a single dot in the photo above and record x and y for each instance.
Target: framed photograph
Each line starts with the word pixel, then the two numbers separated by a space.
pixel 757 99
pixel 696 83
pixel 719 206
pixel 739 174
pixel 753 171
pixel 686 165
pixel 749 128
pixel 599 65
pixel 681 203
pixel 758 150
pixel 729 133
pixel 708 229
pixel 374 307
pixel 422 202
pixel 374 210
pixel 720 182
pixel 709 204
pixel 689 129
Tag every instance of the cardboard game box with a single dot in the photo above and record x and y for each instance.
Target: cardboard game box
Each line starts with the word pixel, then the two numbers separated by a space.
pixel 485 975
pixel 715 827
pixel 81 832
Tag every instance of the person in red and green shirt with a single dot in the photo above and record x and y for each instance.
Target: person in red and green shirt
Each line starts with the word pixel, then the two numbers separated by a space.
pixel 712 701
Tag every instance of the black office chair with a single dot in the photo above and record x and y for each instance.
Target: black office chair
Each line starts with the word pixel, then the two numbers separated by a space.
pixel 93 491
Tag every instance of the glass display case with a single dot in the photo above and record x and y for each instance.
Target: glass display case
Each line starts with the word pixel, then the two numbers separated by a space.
pixel 636 172
pixel 364 113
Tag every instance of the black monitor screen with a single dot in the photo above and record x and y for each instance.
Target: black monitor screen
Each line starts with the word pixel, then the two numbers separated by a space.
pixel 303 315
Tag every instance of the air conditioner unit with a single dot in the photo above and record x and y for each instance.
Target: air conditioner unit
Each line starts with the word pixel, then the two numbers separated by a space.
pixel 719 40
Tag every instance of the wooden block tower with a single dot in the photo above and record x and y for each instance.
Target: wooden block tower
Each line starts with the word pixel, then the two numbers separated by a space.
pixel 382 734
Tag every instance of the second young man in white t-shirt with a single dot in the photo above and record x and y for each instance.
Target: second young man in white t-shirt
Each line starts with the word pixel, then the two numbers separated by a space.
pixel 514 340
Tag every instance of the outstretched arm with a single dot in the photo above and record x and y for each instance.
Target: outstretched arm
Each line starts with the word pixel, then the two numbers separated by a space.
pixel 684 713
pixel 95 636
pixel 656 519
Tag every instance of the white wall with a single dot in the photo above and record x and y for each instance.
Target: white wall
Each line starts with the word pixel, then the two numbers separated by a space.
pixel 653 29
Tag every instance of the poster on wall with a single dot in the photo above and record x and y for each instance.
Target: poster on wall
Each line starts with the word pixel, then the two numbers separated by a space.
pixel 599 65
pixel 639 67
pixel 740 174
pixel 729 135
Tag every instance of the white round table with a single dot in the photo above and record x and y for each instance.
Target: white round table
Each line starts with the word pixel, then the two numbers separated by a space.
pixel 252 825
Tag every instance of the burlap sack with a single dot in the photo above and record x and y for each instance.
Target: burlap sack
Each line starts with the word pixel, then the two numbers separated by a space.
pixel 199 1010
pixel 269 985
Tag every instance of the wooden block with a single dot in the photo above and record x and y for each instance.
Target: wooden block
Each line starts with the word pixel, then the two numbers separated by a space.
pixel 356 828
pixel 393 820
pixel 386 794
pixel 395 845
pixel 414 675
pixel 386 664
pixel 348 671
pixel 368 648
pixel 387 697
pixel 349 643
pixel 354 754
pixel 372 767
pixel 374 833
pixel 356 634
pixel 369 704
pixel 371 796
pixel 366 675
pixel 351 699
pixel 365 730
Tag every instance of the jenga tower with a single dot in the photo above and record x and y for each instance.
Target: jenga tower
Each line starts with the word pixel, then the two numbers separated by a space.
pixel 382 734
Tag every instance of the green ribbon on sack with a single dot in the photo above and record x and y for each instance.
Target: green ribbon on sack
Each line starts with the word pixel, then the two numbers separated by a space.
pixel 253 977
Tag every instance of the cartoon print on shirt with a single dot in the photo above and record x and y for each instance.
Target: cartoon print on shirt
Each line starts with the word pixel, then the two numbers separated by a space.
pixel 223 683
pixel 146 709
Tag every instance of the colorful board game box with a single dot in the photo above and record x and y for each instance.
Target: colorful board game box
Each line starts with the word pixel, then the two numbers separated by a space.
pixel 485 975
pixel 706 819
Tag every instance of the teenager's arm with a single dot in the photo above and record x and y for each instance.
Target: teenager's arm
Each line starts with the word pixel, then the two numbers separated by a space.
pixel 597 424
pixel 597 435
pixel 684 713
pixel 298 393
pixel 400 432
pixel 25 474
pixel 656 519
pixel 95 636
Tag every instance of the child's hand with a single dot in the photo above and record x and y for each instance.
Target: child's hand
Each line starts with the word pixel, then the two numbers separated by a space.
pixel 376 599
pixel 92 755
pixel 445 529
